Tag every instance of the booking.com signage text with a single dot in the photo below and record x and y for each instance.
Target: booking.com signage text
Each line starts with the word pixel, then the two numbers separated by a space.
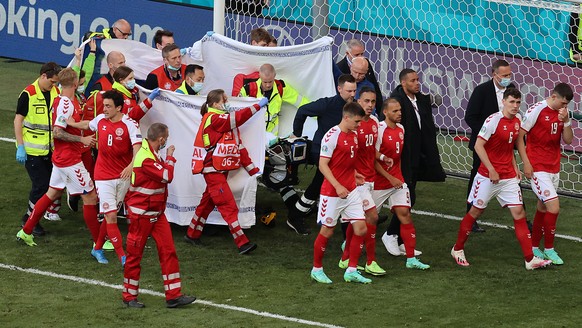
pixel 41 30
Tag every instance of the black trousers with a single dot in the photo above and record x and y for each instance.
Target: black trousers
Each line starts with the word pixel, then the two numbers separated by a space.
pixel 313 190
pixel 39 170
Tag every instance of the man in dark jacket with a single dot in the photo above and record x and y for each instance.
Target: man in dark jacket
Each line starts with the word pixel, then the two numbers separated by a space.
pixel 329 113
pixel 420 159
pixel 355 48
pixel 484 101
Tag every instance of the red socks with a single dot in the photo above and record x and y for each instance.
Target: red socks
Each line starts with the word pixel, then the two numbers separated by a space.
pixel 39 208
pixel 90 216
pixel 349 234
pixel 408 234
pixel 319 249
pixel 102 234
pixel 356 245
pixel 549 229
pixel 537 229
pixel 115 238
pixel 524 238
pixel 370 241
pixel 464 231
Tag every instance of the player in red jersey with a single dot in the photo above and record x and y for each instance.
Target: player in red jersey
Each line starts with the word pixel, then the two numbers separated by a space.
pixel 68 170
pixel 389 182
pixel 366 156
pixel 119 139
pixel 498 176
pixel 545 124
pixel 338 195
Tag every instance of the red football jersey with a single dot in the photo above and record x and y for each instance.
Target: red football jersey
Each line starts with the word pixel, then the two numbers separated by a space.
pixel 367 137
pixel 390 144
pixel 500 134
pixel 341 148
pixel 116 141
pixel 544 132
pixel 66 153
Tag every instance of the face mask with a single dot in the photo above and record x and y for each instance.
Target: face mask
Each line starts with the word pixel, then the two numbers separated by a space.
pixel 197 86
pixel 162 146
pixel 81 89
pixel 172 68
pixel 130 84
pixel 226 107
pixel 504 82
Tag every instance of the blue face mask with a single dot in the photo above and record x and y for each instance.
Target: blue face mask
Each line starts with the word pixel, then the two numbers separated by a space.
pixel 227 107
pixel 164 145
pixel 130 84
pixel 197 86
pixel 172 68
pixel 505 82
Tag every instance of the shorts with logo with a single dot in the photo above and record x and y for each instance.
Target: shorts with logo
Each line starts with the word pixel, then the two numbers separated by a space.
pixel 507 192
pixel 544 185
pixel 75 178
pixel 396 197
pixel 332 207
pixel 365 191
pixel 111 194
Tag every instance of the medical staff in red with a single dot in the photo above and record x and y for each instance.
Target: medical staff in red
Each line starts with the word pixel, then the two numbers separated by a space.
pixel 218 150
pixel 146 202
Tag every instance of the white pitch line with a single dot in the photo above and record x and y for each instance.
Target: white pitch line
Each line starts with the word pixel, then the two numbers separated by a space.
pixel 7 139
pixel 154 293
pixel 489 224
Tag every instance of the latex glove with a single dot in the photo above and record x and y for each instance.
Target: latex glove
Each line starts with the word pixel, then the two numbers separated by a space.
pixel 155 93
pixel 209 33
pixel 183 51
pixel 263 102
pixel 20 154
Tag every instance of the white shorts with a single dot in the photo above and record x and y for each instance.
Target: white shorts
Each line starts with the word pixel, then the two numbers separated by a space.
pixel 111 194
pixel 396 197
pixel 330 208
pixel 483 190
pixel 544 185
pixel 75 178
pixel 365 191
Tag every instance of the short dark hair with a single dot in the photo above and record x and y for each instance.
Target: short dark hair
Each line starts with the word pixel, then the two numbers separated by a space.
pixel 192 68
pixel 260 34
pixel 388 101
pixel 405 72
pixel 114 95
pixel 121 73
pixel 159 34
pixel 514 92
pixel 345 78
pixel 50 69
pixel 353 109
pixel 499 63
pixel 169 48
pixel 564 90
pixel 157 130
pixel 81 74
pixel 367 89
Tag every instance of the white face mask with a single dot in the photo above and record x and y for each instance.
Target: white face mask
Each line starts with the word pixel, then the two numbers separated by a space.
pixel 81 89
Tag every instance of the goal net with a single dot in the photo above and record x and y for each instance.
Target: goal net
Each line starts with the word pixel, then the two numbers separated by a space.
pixel 451 44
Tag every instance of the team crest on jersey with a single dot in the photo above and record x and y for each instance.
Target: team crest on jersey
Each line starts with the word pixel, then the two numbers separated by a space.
pixel 401 135
pixel 374 129
pixel 167 86
pixel 516 126
pixel 546 193
pixel 355 139
pixel 119 132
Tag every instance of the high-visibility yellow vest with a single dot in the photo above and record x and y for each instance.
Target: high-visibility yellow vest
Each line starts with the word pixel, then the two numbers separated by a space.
pixel 144 153
pixel 37 125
